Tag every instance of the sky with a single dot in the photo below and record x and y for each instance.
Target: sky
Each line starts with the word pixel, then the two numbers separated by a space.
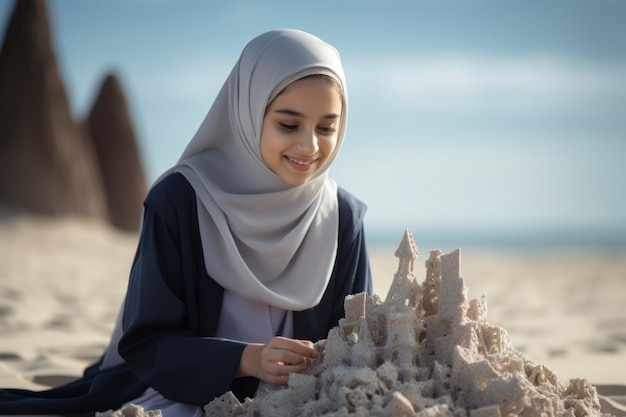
pixel 481 119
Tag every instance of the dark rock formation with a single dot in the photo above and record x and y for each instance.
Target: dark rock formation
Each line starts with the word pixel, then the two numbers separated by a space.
pixel 112 133
pixel 46 165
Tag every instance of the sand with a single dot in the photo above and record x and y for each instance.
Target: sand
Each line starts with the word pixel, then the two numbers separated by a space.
pixel 62 281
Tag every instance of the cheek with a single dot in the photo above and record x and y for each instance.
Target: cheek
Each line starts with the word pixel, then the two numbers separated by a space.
pixel 329 145
pixel 270 144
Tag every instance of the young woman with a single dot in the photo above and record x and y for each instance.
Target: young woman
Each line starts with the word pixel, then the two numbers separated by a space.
pixel 247 249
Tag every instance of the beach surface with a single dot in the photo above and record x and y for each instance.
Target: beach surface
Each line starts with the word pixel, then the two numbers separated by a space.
pixel 62 282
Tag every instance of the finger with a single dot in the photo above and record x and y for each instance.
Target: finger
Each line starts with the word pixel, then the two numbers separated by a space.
pixel 280 355
pixel 281 368
pixel 290 358
pixel 273 371
pixel 301 347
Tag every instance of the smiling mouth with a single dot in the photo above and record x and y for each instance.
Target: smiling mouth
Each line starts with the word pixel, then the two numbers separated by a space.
pixel 302 163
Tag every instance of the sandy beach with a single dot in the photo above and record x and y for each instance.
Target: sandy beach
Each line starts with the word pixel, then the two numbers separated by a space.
pixel 62 281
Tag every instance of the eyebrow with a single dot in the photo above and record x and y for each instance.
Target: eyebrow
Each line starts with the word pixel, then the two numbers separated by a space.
pixel 294 113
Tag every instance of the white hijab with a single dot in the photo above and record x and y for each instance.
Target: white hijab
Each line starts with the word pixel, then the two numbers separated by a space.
pixel 263 239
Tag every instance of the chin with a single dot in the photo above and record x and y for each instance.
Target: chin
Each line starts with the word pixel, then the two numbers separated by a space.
pixel 297 181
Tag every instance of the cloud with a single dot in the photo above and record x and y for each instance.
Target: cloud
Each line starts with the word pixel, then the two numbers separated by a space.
pixel 530 84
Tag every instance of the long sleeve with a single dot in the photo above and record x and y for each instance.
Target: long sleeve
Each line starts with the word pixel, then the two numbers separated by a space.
pixel 172 309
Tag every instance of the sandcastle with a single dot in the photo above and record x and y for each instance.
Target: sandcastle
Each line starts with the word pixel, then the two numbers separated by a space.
pixel 424 351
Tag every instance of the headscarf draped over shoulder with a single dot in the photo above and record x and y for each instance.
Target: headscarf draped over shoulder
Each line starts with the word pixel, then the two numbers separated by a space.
pixel 263 239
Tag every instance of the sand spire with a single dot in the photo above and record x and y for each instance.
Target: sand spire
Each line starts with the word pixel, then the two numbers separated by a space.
pixel 46 165
pixel 115 142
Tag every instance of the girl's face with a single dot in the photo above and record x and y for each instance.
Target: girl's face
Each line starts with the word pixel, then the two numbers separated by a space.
pixel 299 130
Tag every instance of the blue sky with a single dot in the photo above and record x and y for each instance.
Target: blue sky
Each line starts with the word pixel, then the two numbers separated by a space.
pixel 466 117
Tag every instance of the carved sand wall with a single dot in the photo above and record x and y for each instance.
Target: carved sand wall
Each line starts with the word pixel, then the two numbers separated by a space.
pixel 426 350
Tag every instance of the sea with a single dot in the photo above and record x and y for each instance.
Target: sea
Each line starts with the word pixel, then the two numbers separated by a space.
pixel 531 241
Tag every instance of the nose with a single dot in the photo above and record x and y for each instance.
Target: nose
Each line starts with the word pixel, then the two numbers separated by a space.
pixel 308 142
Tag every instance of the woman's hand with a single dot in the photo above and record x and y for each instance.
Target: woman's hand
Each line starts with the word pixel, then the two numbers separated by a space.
pixel 275 360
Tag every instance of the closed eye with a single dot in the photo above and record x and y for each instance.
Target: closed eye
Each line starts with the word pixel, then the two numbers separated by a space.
pixel 327 129
pixel 287 126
